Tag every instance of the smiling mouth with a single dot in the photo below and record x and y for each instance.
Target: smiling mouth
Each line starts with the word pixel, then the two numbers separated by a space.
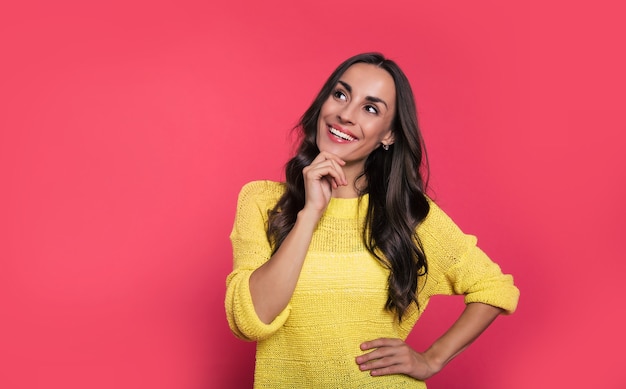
pixel 341 135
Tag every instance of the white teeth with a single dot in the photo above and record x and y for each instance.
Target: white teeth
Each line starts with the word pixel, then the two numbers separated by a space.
pixel 340 134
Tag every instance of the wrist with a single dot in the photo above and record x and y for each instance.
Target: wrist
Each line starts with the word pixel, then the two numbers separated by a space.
pixel 435 359
pixel 309 214
pixel 309 217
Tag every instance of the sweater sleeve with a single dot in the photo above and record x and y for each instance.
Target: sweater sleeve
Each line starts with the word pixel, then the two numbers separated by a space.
pixel 460 267
pixel 251 249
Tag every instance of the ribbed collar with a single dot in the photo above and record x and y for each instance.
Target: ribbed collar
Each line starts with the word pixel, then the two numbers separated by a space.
pixel 347 208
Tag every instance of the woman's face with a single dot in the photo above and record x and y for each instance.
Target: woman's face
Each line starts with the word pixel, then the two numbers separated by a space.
pixel 356 118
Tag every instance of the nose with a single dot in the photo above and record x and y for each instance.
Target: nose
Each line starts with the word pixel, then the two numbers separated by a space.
pixel 346 114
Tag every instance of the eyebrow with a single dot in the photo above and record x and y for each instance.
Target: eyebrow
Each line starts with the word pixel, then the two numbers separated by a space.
pixel 372 99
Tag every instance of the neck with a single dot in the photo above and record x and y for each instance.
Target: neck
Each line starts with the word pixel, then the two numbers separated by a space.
pixel 345 192
pixel 352 172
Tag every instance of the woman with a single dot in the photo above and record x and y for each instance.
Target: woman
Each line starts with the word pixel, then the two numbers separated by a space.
pixel 333 267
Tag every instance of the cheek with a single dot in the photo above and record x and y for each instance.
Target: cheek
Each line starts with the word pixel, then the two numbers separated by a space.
pixel 378 131
pixel 320 124
pixel 325 109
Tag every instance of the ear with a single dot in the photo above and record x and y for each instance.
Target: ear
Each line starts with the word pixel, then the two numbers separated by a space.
pixel 389 138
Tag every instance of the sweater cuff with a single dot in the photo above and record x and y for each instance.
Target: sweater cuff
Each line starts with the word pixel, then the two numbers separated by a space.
pixel 246 318
pixel 504 295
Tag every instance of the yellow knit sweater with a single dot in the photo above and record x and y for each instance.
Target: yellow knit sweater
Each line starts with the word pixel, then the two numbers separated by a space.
pixel 340 297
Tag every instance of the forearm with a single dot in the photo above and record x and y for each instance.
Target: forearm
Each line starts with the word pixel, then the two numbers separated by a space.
pixel 273 284
pixel 473 321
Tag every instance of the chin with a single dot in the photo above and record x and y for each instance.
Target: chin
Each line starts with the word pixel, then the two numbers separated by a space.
pixel 330 149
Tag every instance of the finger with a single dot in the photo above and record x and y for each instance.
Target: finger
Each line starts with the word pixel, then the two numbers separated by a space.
pixel 319 158
pixel 319 172
pixel 326 168
pixel 381 342
pixel 379 353
pixel 333 182
pixel 371 356
pixel 334 160
pixel 388 370
pixel 382 363
pixel 342 177
pixel 328 155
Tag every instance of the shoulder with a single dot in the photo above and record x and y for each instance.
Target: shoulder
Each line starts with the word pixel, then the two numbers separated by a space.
pixel 261 192
pixel 435 215
pixel 439 230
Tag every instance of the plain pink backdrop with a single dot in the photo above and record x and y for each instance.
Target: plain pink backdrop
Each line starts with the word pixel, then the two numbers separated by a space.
pixel 128 128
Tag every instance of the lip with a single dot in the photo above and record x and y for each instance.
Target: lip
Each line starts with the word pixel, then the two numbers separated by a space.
pixel 335 138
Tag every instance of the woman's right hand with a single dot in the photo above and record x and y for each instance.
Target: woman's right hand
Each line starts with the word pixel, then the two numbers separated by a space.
pixel 273 283
pixel 323 175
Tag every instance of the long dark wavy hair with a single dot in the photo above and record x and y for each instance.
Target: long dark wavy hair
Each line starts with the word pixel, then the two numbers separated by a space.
pixel 394 181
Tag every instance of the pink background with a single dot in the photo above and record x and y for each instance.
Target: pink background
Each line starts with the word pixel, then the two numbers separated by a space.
pixel 128 128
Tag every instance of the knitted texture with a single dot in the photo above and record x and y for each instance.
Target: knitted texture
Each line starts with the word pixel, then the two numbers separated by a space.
pixel 340 296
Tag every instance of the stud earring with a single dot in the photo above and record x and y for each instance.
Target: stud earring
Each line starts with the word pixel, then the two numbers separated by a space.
pixel 386 147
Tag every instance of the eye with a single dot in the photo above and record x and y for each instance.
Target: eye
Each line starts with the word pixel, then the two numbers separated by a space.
pixel 339 95
pixel 371 109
